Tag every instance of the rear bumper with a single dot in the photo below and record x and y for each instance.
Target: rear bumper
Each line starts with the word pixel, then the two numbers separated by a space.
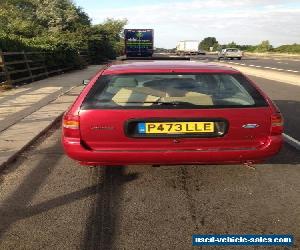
pixel 76 151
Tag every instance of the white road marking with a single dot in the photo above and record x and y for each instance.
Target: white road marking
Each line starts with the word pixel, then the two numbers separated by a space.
pixel 289 70
pixel 257 66
pixel 292 141
pixel 285 59
pixel 296 71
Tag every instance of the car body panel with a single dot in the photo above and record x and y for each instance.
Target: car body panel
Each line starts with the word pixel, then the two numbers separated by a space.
pixel 75 150
pixel 107 129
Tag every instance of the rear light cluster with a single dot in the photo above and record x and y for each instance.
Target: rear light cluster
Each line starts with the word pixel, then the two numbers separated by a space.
pixel 71 126
pixel 276 124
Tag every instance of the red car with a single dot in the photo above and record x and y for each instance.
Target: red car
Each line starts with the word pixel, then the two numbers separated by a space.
pixel 171 112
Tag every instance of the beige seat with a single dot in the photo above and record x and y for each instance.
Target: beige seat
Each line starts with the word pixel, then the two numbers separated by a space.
pixel 125 95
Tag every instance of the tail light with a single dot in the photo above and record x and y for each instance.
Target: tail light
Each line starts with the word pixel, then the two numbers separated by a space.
pixel 276 124
pixel 71 126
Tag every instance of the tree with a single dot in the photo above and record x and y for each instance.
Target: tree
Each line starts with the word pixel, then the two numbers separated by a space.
pixel 208 42
pixel 60 15
pixel 57 26
pixel 264 46
pixel 18 18
pixel 106 40
pixel 32 18
pixel 231 45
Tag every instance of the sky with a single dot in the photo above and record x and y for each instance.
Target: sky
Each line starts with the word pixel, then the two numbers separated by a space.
pixel 241 21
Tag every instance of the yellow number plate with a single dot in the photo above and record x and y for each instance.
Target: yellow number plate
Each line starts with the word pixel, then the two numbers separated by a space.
pixel 176 127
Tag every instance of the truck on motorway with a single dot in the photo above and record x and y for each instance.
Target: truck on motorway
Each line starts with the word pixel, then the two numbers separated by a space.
pixel 188 47
pixel 138 42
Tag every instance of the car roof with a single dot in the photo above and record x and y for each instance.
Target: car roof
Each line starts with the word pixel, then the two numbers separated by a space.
pixel 165 66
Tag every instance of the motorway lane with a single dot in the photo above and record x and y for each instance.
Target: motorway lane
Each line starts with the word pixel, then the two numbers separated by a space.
pixel 265 65
pixel 48 201
pixel 286 96
pixel 280 65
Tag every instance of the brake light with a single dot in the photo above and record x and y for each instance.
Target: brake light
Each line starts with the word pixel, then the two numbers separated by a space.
pixel 276 124
pixel 71 126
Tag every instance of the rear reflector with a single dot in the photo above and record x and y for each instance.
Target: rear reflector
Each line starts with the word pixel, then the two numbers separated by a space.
pixel 277 124
pixel 71 126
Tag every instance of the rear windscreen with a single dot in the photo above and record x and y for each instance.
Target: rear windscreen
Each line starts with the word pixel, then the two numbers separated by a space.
pixel 173 91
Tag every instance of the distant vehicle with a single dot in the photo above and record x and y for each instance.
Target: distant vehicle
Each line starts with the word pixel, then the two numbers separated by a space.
pixel 138 42
pixel 230 53
pixel 169 113
pixel 188 47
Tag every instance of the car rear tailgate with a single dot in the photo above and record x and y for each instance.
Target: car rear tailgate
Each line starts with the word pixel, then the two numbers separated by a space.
pixel 106 129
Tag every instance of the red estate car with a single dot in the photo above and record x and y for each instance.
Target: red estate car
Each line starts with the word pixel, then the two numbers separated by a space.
pixel 171 112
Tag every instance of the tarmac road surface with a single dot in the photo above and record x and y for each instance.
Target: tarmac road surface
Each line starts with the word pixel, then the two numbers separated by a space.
pixel 285 65
pixel 48 201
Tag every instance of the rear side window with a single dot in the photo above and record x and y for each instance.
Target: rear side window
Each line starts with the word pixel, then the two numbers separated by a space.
pixel 173 91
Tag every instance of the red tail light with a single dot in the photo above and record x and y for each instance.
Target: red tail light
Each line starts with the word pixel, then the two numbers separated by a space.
pixel 276 124
pixel 71 126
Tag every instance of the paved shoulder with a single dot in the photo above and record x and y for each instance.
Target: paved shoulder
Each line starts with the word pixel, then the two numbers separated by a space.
pixel 18 103
pixel 33 109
